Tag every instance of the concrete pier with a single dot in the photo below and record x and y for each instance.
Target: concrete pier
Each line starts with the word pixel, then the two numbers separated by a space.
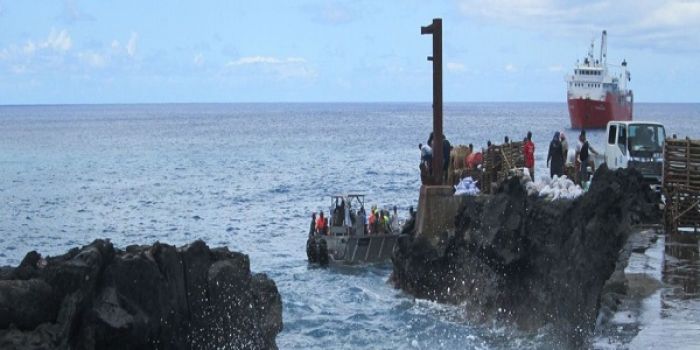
pixel 656 303
pixel 437 209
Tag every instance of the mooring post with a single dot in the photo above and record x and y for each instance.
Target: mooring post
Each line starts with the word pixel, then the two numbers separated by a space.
pixel 435 29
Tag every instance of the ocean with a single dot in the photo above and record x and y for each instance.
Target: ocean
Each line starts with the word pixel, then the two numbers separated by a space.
pixel 248 176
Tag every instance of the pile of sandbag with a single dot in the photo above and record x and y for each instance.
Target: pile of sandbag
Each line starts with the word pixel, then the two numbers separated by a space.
pixel 467 187
pixel 551 189
pixel 555 188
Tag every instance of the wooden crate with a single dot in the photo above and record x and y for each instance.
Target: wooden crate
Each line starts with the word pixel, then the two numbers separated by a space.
pixel 681 184
pixel 499 161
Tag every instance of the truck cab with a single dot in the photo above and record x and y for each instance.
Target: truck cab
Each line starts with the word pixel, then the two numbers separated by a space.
pixel 636 144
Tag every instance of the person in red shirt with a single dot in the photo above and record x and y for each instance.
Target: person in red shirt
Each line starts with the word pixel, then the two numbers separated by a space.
pixel 529 154
pixel 473 159
pixel 373 222
pixel 469 159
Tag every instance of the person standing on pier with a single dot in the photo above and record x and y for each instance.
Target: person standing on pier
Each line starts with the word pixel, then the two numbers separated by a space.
pixel 426 153
pixel 564 147
pixel 426 162
pixel 583 151
pixel 446 149
pixel 555 159
pixel 529 154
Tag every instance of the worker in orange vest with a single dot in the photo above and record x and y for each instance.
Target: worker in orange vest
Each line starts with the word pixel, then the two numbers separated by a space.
pixel 320 224
pixel 372 222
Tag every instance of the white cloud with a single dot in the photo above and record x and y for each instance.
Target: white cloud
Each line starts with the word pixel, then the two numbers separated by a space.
pixel 455 67
pixel 254 60
pixel 58 41
pixel 510 68
pixel 131 44
pixel 57 44
pixel 128 49
pixel 555 68
pixel 57 52
pixel 674 14
pixel 671 24
pixel 289 67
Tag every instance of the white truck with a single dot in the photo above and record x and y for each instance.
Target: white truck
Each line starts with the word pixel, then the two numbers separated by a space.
pixel 636 144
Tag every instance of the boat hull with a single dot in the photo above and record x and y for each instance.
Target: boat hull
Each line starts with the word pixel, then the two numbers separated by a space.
pixel 594 114
pixel 351 250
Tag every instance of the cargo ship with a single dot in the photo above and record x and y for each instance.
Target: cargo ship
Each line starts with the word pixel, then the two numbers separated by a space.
pixel 595 95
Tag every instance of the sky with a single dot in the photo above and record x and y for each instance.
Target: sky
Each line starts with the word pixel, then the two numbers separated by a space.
pixel 72 51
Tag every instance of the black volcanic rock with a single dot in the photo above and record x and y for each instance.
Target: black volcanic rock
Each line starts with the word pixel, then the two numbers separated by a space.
pixel 529 262
pixel 143 297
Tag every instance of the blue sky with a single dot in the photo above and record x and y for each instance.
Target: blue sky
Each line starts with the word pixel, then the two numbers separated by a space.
pixel 266 51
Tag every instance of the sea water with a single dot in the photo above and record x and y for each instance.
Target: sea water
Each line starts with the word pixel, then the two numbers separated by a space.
pixel 248 176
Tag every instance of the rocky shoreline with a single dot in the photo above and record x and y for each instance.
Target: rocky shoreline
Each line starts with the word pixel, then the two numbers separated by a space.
pixel 142 297
pixel 521 260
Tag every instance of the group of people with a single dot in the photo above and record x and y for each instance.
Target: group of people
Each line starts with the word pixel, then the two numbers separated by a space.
pixel 380 221
pixel 558 154
pixel 426 155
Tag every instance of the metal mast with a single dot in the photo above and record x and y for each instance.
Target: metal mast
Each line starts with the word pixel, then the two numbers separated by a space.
pixel 604 48
pixel 435 29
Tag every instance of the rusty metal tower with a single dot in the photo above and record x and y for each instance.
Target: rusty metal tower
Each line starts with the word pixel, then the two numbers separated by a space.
pixel 435 29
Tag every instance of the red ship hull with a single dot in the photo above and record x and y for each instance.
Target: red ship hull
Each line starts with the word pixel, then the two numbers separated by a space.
pixel 593 114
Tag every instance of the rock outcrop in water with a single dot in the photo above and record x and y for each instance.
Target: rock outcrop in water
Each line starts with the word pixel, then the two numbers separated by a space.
pixel 143 297
pixel 523 260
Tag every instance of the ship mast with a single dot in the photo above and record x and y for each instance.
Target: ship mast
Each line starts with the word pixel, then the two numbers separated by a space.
pixel 604 49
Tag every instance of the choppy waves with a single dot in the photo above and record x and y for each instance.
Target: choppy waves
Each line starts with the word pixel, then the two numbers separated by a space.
pixel 248 176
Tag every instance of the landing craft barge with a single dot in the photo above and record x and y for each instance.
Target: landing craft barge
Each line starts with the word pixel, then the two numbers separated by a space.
pixel 347 240
pixel 594 95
